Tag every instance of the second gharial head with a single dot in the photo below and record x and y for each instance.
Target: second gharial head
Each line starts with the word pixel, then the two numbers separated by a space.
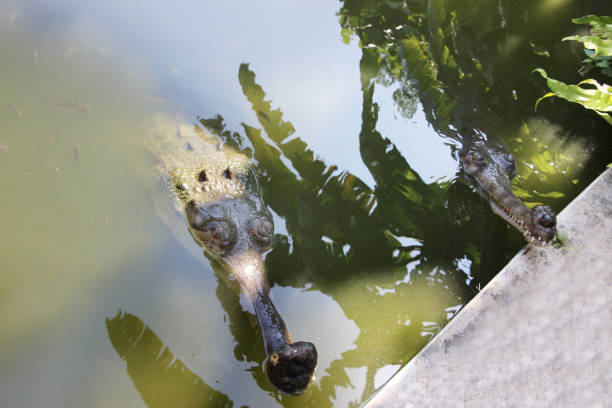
pixel 492 168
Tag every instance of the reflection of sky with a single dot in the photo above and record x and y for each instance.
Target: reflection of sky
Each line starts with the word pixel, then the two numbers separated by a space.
pixel 423 149
pixel 196 47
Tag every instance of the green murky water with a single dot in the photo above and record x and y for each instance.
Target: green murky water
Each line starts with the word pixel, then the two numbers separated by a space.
pixel 379 240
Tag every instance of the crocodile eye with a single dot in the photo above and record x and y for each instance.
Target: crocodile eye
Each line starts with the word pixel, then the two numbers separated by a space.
pixel 227 174
pixel 263 231
pixel 202 176
pixel 222 236
pixel 181 186
pixel 476 157
pixel 220 232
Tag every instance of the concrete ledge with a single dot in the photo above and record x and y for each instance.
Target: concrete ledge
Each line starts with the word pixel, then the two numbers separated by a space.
pixel 538 335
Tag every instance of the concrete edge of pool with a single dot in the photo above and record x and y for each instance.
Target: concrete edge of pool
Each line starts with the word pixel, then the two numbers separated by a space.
pixel 538 335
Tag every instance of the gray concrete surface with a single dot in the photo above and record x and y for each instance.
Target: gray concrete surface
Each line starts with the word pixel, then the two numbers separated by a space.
pixel 538 335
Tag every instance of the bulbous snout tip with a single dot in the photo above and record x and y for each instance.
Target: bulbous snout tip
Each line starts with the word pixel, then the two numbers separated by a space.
pixel 545 222
pixel 291 368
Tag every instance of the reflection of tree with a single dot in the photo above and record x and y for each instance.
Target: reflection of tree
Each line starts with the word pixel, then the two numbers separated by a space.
pixel 346 235
pixel 469 64
pixel 454 59
pixel 392 256
pixel 395 257
pixel 161 380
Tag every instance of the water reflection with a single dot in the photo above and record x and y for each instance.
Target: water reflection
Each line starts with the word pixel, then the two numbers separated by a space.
pixel 470 68
pixel 383 258
pixel 161 379
pixel 349 241
pixel 337 224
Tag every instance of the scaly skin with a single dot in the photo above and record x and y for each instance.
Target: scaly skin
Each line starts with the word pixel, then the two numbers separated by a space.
pixel 492 169
pixel 216 189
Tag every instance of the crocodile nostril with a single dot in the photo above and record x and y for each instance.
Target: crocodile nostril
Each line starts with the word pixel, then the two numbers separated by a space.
pixel 202 176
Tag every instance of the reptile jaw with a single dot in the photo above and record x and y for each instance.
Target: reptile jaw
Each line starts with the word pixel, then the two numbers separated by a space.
pixel 492 176
pixel 525 228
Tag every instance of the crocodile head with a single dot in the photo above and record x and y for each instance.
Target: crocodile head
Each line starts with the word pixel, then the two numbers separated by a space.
pixel 492 169
pixel 228 217
pixel 225 212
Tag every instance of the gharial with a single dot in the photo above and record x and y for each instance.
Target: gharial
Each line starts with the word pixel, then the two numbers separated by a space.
pixel 214 188
pixel 491 169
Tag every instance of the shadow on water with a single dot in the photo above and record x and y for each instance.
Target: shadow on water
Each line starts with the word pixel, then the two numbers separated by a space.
pixel 401 258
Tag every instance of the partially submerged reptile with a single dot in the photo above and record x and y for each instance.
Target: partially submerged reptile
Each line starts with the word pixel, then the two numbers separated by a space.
pixel 215 188
pixel 492 169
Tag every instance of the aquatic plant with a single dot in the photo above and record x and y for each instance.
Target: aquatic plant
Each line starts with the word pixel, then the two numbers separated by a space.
pixel 598 48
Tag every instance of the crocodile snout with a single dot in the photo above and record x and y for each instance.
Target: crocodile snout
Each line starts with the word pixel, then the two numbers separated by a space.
pixel 291 368
pixel 544 220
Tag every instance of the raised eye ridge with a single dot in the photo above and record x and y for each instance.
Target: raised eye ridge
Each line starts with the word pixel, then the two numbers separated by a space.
pixel 263 231
pixel 222 236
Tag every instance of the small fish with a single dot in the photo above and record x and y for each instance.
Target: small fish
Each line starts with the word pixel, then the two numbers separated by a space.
pixel 57 170
pixel 14 108
pixel 175 71
pixel 12 15
pixel 3 147
pixel 35 55
pixel 77 153
pixel 155 99
pixel 70 106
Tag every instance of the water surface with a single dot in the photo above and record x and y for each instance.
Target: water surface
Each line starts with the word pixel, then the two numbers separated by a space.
pixel 352 112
